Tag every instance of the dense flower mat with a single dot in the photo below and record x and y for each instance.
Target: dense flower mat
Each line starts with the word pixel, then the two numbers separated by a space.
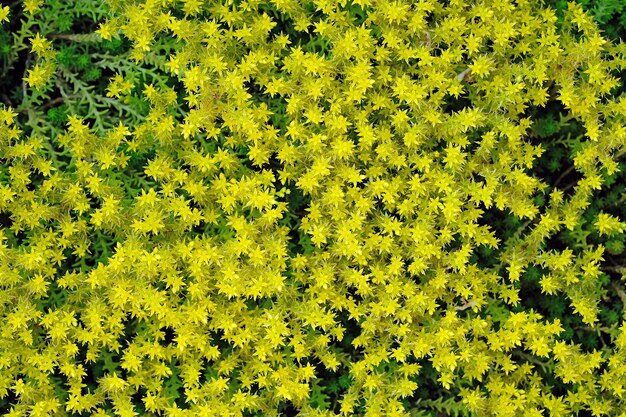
pixel 365 207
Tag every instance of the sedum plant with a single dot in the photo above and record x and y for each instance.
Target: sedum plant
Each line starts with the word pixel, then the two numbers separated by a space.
pixel 310 208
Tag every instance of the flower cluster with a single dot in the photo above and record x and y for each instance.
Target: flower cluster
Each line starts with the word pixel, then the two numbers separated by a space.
pixel 307 199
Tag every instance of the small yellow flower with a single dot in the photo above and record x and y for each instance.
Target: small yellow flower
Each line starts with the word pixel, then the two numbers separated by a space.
pixel 106 30
pixel 4 14
pixel 39 75
pixel 32 6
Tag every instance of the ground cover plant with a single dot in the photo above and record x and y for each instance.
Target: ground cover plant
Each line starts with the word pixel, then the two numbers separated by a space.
pixel 313 208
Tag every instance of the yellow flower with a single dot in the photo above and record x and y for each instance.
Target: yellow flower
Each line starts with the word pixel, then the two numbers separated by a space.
pixel 32 6
pixel 119 86
pixel 106 30
pixel 39 75
pixel 4 14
